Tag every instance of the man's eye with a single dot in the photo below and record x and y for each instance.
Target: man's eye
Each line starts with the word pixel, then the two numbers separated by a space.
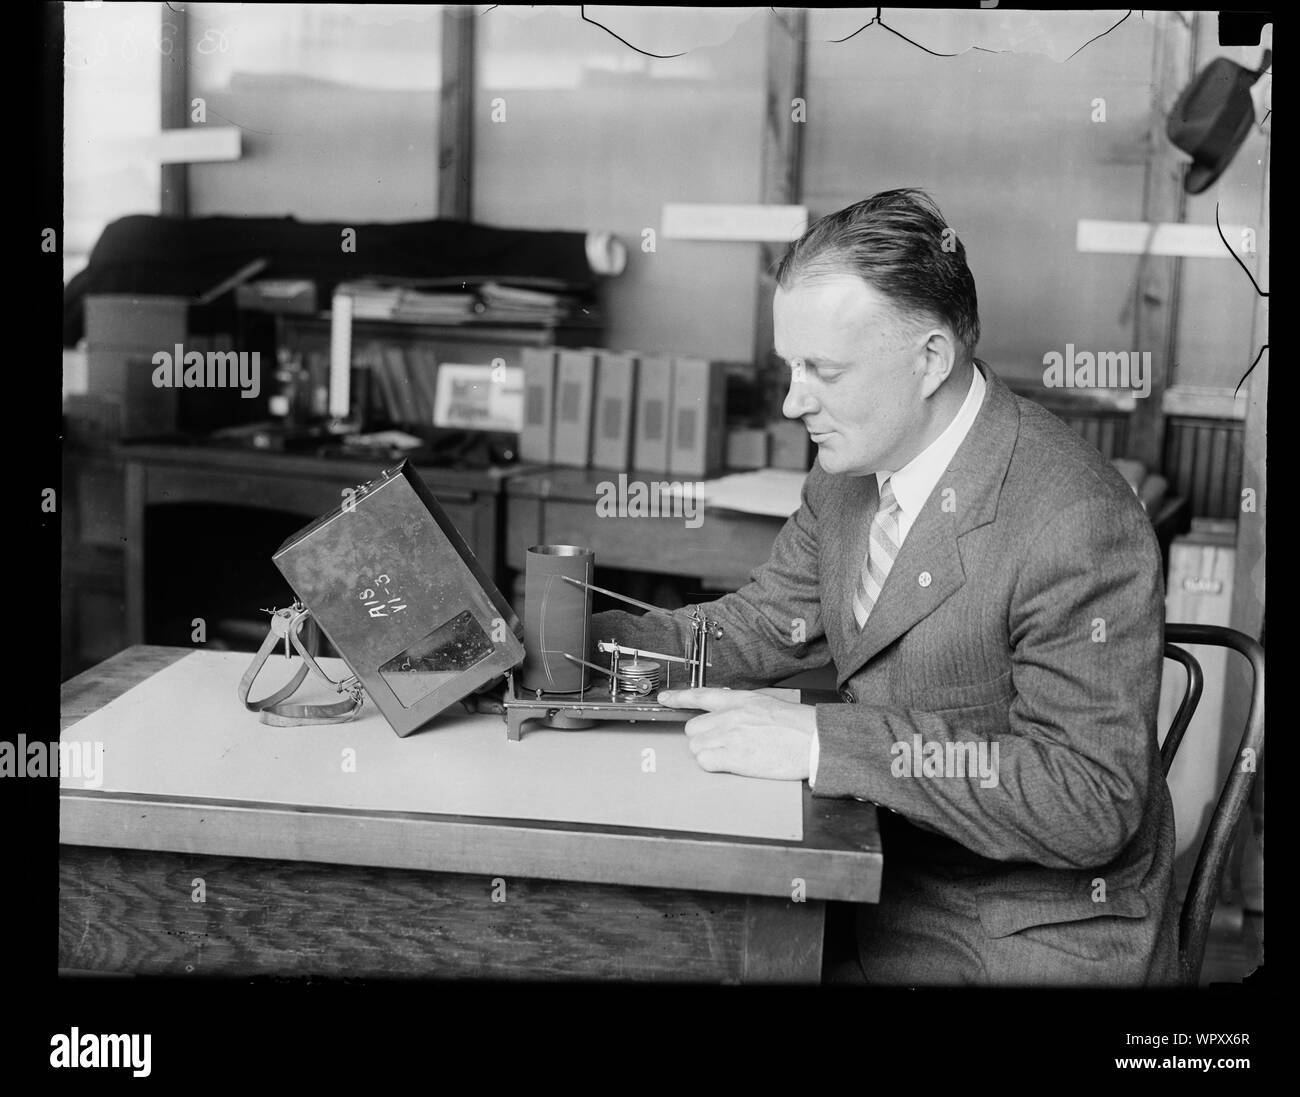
pixel 803 370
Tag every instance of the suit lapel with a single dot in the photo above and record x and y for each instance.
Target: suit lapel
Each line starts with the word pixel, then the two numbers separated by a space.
pixel 928 569
pixel 863 506
pixel 847 525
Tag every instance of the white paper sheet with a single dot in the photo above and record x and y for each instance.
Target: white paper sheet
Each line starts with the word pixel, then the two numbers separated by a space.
pixel 183 733
pixel 773 492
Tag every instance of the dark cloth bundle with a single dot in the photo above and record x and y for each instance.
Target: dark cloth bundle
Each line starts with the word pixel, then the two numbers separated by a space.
pixel 186 257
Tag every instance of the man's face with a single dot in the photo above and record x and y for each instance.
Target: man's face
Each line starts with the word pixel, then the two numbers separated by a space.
pixel 857 374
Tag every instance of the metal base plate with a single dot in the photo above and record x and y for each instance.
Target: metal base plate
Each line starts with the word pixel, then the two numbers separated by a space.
pixel 576 710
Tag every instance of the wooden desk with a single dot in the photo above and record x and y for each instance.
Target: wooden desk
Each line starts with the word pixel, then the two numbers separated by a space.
pixel 558 506
pixel 297 484
pixel 298 891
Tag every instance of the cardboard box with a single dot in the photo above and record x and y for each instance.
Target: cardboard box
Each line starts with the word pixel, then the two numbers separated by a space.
pixel 536 440
pixel 789 445
pixel 575 398
pixel 296 295
pixel 654 411
pixel 747 448
pixel 698 440
pixel 123 333
pixel 611 446
pixel 129 320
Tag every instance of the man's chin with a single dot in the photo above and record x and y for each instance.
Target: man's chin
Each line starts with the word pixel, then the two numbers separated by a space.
pixel 836 465
pixel 826 458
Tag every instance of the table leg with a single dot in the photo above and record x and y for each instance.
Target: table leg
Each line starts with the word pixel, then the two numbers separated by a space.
pixel 133 560
pixel 783 940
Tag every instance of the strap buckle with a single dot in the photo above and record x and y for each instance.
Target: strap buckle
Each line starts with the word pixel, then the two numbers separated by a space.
pixel 284 622
pixel 352 686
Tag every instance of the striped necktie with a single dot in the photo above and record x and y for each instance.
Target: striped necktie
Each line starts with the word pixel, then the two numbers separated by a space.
pixel 882 548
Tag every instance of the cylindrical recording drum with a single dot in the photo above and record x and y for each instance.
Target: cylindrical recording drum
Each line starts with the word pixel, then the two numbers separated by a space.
pixel 557 617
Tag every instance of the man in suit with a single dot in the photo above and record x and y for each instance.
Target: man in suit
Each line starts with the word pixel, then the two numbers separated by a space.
pixel 989 591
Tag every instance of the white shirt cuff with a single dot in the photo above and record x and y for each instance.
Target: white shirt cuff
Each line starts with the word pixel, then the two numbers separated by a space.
pixel 813 755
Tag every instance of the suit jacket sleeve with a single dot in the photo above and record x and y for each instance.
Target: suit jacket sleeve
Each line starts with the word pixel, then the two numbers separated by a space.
pixel 1076 739
pixel 772 627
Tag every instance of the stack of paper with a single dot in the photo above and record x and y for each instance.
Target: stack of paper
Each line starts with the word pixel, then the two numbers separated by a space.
pixel 434 308
pixel 774 492
pixel 372 302
pixel 444 301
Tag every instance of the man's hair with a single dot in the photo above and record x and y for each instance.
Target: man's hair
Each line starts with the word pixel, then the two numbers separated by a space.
pixel 898 243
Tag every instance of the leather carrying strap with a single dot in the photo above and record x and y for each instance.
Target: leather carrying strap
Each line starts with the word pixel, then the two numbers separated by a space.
pixel 286 627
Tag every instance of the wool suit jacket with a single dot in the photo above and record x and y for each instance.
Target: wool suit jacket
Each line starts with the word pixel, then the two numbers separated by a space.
pixel 1024 609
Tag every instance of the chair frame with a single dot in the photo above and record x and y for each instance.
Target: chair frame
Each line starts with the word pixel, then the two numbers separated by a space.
pixel 1207 876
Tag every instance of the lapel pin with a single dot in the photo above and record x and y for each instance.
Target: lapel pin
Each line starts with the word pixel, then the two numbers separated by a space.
pixel 924 578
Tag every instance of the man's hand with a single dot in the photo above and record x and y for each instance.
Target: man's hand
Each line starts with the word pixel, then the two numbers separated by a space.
pixel 747 733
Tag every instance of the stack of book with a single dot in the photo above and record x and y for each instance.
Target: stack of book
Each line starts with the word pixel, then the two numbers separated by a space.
pixel 469 301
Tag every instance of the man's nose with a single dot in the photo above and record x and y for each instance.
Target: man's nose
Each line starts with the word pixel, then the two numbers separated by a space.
pixel 798 401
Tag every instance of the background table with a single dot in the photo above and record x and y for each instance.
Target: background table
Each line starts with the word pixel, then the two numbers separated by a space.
pixel 557 506
pixel 305 485
pixel 111 570
pixel 109 575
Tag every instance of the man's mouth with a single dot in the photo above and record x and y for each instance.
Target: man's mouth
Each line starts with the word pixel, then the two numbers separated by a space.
pixel 819 436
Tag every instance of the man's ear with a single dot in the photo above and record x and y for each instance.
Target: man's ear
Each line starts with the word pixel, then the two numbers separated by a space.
pixel 937 357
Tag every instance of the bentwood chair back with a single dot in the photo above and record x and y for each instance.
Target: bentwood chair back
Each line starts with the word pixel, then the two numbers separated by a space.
pixel 1207 876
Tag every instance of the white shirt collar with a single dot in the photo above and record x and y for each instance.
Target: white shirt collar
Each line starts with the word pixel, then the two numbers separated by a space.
pixel 914 481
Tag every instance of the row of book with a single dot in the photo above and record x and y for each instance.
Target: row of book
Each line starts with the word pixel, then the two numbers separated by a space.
pixel 403 381
pixel 594 408
pixel 390 383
